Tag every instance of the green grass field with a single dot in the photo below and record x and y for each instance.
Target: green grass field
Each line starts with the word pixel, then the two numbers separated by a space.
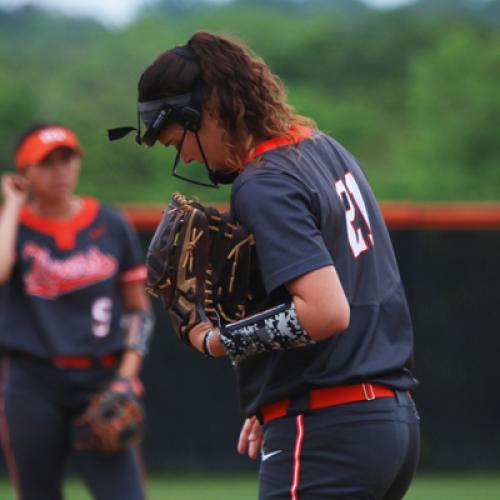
pixel 237 487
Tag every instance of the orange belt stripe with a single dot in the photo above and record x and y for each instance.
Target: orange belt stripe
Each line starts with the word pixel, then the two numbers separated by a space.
pixel 330 396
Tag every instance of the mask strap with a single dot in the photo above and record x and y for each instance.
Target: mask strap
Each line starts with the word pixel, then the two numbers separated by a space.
pixel 178 158
pixel 178 155
pixel 202 151
pixel 119 132
pixel 217 177
pixel 138 136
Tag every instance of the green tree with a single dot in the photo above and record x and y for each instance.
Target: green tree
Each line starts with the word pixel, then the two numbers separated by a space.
pixel 454 103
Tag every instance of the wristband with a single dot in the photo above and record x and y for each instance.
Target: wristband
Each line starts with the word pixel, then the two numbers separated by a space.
pixel 206 344
pixel 275 329
pixel 139 327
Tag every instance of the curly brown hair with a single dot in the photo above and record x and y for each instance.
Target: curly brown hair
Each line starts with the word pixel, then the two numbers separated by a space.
pixel 246 98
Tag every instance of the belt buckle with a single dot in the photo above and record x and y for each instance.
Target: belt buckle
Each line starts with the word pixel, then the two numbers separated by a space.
pixel 369 394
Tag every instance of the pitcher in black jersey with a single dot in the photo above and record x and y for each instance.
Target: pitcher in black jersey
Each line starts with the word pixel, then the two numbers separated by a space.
pixel 323 359
pixel 72 271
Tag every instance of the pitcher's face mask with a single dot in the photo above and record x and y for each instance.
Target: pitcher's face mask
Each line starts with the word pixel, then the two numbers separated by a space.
pixel 184 110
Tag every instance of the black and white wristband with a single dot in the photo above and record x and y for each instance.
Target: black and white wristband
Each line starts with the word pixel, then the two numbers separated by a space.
pixel 206 344
pixel 139 328
pixel 277 328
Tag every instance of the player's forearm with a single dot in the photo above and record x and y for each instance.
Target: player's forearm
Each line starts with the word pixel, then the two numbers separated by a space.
pixel 9 226
pixel 138 321
pixel 322 319
pixel 130 364
pixel 321 305
pixel 278 328
pixel 139 328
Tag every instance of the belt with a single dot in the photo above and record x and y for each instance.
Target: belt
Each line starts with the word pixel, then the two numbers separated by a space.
pixel 78 362
pixel 329 396
pixel 85 362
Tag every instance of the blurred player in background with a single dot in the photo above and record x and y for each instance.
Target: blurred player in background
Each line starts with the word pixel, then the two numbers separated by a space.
pixel 72 270
pixel 323 361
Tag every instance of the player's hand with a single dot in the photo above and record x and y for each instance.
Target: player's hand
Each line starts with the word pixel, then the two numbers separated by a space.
pixel 15 188
pixel 250 438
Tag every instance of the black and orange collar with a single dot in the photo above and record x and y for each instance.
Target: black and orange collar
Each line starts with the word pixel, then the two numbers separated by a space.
pixel 296 134
pixel 63 231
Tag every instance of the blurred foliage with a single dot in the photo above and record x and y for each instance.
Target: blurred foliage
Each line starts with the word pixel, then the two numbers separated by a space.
pixel 413 92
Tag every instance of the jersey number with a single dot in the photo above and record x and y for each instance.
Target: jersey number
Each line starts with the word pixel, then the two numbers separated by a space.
pixel 359 235
pixel 101 316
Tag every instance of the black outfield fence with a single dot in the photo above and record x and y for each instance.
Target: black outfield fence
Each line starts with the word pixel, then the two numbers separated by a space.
pixel 449 261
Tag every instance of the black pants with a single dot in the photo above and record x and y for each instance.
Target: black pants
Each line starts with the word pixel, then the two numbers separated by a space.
pixel 359 451
pixel 38 402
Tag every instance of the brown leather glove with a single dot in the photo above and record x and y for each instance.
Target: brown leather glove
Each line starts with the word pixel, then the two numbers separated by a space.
pixel 200 263
pixel 113 420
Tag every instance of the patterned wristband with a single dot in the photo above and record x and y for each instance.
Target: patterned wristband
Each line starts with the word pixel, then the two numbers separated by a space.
pixel 277 328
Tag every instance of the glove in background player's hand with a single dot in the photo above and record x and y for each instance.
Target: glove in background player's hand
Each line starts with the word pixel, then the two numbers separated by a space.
pixel 114 419
pixel 200 263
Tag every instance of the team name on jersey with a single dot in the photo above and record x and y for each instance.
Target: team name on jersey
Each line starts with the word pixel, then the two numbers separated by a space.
pixel 50 277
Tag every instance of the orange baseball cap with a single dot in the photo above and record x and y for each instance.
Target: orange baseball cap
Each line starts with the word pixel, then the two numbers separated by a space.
pixel 42 142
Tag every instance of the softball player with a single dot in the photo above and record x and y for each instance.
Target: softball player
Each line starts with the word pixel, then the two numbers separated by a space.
pixel 71 268
pixel 323 360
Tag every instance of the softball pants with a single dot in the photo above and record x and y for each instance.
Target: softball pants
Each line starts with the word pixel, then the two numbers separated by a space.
pixel 38 402
pixel 358 451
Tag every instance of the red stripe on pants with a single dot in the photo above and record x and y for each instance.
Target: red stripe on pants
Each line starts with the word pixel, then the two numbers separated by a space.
pixel 296 457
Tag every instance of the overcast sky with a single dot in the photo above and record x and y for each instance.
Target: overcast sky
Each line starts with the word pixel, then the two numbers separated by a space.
pixel 119 12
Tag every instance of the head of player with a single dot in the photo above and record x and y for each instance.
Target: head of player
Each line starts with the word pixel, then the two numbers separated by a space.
pixel 213 100
pixel 48 157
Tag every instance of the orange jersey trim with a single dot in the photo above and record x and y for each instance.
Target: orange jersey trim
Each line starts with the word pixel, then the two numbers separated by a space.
pixel 63 231
pixel 134 275
pixel 297 133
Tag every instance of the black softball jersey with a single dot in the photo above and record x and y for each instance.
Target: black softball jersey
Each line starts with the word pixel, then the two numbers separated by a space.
pixel 309 205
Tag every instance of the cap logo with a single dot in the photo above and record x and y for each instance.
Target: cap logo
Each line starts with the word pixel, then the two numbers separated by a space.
pixel 49 135
pixel 40 143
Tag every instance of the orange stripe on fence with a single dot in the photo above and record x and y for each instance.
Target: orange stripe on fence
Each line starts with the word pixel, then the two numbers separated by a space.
pixel 398 215
pixel 442 216
pixel 144 217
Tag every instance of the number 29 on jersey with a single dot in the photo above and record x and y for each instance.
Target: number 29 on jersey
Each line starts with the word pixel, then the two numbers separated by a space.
pixel 359 232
